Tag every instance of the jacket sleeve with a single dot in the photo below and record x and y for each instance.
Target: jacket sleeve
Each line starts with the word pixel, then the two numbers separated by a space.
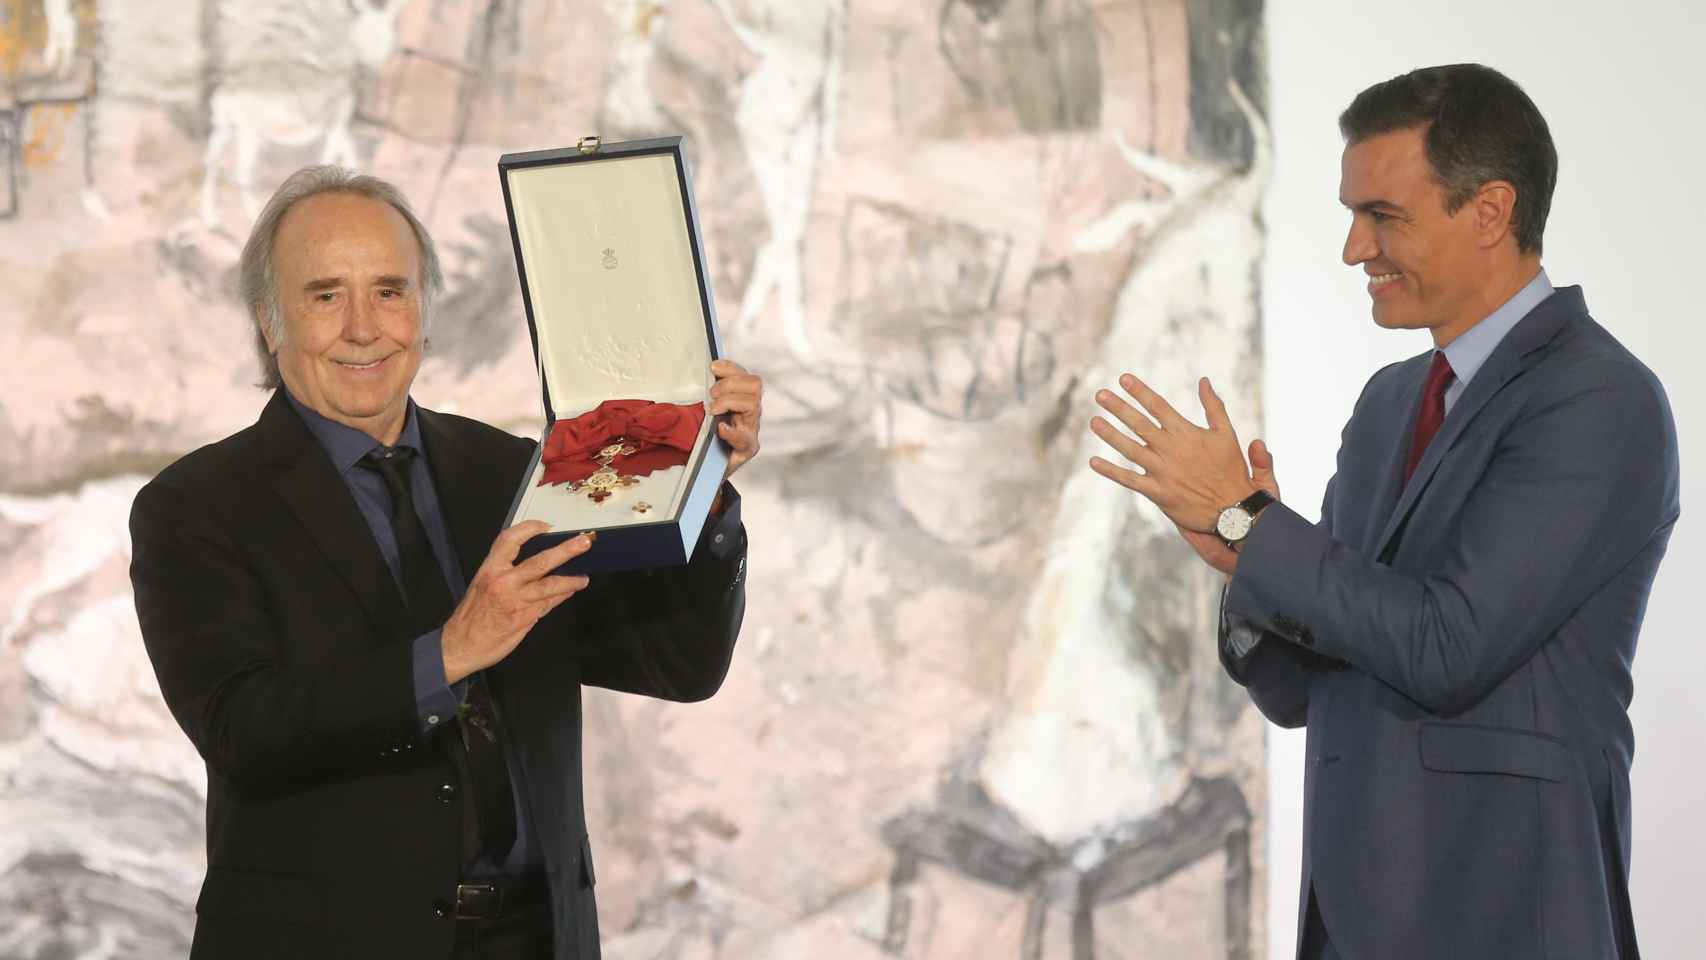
pixel 1276 673
pixel 260 721
pixel 1578 485
pixel 668 633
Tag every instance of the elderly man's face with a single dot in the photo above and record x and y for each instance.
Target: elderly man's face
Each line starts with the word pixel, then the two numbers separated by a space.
pixel 1423 264
pixel 348 271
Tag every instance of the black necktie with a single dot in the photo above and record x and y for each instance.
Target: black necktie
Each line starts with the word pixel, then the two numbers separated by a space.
pixel 491 829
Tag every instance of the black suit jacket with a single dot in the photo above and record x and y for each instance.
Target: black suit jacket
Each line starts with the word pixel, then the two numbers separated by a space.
pixel 282 647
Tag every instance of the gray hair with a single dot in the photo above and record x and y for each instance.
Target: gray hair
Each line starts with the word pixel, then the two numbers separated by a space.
pixel 258 281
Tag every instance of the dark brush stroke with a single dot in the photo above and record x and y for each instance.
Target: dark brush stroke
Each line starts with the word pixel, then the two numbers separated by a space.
pixel 468 92
pixel 1044 64
pixel 1227 44
pixel 476 321
pixel 9 158
pixel 970 834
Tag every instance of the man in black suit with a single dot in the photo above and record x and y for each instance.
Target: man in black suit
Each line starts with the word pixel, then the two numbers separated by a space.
pixel 388 703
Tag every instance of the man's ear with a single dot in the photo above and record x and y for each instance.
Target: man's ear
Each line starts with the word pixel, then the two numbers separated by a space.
pixel 1493 207
pixel 265 328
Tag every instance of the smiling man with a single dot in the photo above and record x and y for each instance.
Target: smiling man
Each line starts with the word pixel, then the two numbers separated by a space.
pixel 1457 631
pixel 387 702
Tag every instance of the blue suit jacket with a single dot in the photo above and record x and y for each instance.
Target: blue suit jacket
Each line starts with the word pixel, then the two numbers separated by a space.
pixel 1460 650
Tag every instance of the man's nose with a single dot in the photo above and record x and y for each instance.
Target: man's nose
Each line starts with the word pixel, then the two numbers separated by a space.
pixel 1359 243
pixel 361 321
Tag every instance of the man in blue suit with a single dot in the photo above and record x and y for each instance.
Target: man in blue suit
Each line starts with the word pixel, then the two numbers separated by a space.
pixel 1457 631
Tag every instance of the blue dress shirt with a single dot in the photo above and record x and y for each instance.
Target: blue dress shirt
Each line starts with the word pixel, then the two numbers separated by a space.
pixel 1472 348
pixel 437 700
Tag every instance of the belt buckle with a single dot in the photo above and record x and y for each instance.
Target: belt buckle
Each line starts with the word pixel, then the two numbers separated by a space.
pixel 478 901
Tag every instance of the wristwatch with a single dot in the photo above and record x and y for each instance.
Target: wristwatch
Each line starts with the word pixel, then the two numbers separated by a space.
pixel 1234 523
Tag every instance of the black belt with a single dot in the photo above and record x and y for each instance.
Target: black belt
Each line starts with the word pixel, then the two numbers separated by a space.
pixel 495 897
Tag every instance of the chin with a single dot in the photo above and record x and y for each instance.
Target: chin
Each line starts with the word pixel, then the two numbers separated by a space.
pixel 365 403
pixel 1394 320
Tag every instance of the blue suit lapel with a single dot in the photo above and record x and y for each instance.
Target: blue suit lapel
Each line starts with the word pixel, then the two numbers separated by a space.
pixel 1388 482
pixel 1510 358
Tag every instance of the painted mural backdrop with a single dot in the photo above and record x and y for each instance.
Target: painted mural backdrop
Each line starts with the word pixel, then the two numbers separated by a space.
pixel 975 711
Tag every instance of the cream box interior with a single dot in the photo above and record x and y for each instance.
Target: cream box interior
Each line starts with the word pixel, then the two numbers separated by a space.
pixel 610 275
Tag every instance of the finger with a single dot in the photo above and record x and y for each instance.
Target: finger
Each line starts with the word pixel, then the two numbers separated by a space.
pixel 553 589
pixel 508 543
pixel 734 403
pixel 740 388
pixel 726 368
pixel 548 604
pixel 543 562
pixel 1130 449
pixel 1155 404
pixel 1130 479
pixel 741 382
pixel 742 439
pixel 1212 407
pixel 1215 410
pixel 1135 421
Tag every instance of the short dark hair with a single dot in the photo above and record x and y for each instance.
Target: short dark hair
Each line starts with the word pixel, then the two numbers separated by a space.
pixel 1481 127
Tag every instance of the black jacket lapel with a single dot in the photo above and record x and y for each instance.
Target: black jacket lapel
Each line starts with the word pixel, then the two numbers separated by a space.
pixel 309 485
pixel 473 490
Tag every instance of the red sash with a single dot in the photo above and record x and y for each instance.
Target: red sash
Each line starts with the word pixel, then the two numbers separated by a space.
pixel 661 435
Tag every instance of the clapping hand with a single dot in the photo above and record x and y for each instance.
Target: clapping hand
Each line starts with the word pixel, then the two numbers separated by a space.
pixel 1191 473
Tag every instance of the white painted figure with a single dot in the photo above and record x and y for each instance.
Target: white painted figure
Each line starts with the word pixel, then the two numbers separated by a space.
pixel 787 118
pixel 313 99
pixel 1074 695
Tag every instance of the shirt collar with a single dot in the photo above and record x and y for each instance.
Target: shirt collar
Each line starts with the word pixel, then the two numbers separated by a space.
pixel 1468 352
pixel 345 444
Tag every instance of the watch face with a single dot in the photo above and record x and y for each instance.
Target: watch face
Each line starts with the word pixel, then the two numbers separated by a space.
pixel 1234 523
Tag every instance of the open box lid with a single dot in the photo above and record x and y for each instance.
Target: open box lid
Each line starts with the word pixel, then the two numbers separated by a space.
pixel 612 273
pixel 619 307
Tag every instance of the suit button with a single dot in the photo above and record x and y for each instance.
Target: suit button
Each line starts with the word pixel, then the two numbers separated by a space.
pixel 446 792
pixel 441 909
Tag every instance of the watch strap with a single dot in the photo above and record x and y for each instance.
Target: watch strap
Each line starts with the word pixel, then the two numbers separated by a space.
pixel 1254 503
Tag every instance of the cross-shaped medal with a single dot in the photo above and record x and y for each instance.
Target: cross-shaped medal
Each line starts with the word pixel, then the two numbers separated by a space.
pixel 605 482
pixel 620 448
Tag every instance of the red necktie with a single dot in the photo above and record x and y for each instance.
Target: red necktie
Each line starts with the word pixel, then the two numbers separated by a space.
pixel 1433 410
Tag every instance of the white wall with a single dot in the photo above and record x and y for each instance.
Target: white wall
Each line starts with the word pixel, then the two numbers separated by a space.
pixel 1620 86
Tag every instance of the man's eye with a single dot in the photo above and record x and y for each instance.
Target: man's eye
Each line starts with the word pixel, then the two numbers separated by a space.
pixel 326 296
pixel 390 293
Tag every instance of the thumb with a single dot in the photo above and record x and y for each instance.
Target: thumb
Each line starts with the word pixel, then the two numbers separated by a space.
pixel 1262 466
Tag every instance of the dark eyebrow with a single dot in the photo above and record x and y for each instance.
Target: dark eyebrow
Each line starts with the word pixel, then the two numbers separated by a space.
pixel 333 283
pixel 1376 206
